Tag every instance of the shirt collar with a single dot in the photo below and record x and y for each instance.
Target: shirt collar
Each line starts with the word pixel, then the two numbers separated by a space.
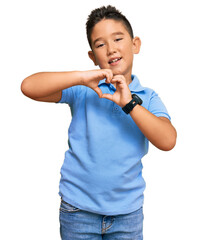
pixel 134 86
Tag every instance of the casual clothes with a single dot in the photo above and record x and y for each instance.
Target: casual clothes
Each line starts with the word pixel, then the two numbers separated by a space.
pixel 102 170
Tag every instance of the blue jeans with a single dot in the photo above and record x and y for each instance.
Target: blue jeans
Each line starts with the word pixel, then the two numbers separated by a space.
pixel 79 224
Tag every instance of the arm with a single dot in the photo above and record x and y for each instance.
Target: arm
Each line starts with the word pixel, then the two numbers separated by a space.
pixel 158 130
pixel 48 86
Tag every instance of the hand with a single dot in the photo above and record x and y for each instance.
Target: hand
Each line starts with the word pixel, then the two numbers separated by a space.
pixel 122 95
pixel 92 78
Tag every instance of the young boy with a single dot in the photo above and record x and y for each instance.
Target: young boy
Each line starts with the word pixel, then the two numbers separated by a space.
pixel 101 184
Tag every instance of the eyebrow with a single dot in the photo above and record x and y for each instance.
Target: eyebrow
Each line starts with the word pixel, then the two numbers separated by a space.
pixel 115 33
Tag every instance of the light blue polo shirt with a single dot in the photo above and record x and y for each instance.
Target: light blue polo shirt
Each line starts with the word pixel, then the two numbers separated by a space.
pixel 102 169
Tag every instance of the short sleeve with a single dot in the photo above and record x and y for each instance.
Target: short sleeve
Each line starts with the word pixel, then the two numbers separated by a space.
pixel 157 107
pixel 69 95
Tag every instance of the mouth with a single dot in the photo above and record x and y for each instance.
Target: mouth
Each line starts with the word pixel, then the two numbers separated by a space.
pixel 114 61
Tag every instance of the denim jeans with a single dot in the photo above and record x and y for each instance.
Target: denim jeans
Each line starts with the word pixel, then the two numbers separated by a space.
pixel 79 224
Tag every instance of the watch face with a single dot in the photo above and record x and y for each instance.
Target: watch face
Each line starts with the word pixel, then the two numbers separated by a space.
pixel 138 99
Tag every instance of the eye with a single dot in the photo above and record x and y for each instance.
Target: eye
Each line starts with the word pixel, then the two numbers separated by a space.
pixel 118 39
pixel 100 45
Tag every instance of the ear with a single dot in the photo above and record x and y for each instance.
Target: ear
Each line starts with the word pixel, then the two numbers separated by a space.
pixel 136 45
pixel 92 57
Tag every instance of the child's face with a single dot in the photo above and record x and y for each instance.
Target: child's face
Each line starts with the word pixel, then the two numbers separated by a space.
pixel 113 47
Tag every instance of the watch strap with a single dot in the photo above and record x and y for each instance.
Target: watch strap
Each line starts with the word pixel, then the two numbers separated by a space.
pixel 129 106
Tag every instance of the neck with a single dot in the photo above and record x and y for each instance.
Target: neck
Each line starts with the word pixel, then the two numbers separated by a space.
pixel 128 79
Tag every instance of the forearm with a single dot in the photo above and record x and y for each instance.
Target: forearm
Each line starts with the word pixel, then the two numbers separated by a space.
pixel 158 131
pixel 43 84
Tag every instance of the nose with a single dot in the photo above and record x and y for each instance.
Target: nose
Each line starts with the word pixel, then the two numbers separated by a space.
pixel 111 49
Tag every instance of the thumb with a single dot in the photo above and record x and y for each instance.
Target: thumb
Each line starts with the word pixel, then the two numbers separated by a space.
pixel 107 96
pixel 98 91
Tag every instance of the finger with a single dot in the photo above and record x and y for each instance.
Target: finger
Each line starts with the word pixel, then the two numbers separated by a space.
pixel 108 78
pixel 107 96
pixel 109 75
pixel 116 79
pixel 119 77
pixel 98 91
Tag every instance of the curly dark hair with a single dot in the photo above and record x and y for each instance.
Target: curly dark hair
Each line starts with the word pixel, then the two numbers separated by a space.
pixel 108 12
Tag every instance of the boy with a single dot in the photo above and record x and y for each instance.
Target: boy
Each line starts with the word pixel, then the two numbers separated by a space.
pixel 101 184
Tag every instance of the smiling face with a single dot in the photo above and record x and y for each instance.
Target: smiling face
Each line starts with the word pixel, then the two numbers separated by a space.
pixel 113 47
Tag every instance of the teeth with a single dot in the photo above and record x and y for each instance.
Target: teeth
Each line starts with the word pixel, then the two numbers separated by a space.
pixel 115 60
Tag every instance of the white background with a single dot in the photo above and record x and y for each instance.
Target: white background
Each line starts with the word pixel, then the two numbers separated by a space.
pixel 49 35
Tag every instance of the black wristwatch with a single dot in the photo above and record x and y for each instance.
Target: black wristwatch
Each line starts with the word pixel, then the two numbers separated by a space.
pixel 129 106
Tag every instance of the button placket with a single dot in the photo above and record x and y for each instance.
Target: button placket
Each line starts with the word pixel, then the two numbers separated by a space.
pixel 115 109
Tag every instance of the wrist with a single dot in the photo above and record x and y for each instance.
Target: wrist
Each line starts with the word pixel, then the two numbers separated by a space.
pixel 126 102
pixel 132 104
pixel 81 76
pixel 86 76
